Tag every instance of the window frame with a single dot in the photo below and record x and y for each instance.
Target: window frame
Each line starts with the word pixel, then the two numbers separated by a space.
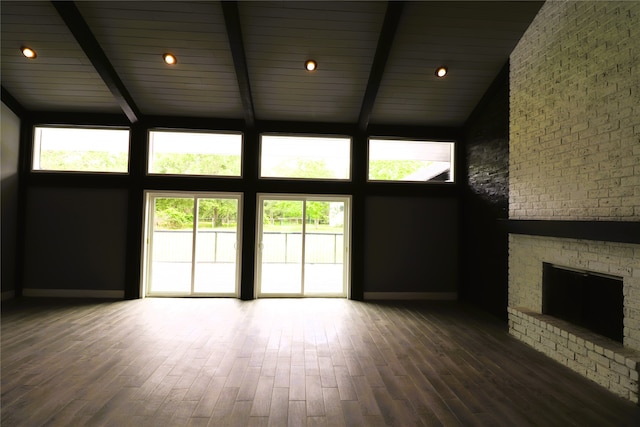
pixel 36 150
pixel 305 135
pixel 149 162
pixel 347 199
pixel 452 161
pixel 146 261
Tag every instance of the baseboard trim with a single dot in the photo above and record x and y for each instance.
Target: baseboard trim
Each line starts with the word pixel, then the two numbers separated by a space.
pixel 432 296
pixel 7 295
pixel 73 293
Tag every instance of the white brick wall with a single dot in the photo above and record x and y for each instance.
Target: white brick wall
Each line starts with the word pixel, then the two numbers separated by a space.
pixel 600 359
pixel 528 253
pixel 575 113
pixel 574 154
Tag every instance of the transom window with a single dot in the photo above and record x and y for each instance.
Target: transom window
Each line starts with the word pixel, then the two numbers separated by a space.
pixel 408 160
pixel 195 153
pixel 80 149
pixel 305 157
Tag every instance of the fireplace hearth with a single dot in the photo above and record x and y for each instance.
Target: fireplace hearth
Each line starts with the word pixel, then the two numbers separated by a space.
pixel 586 317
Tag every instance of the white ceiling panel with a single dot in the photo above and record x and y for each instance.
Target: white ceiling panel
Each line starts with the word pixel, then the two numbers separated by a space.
pixel 376 59
pixel 280 36
pixel 61 78
pixel 135 35
pixel 473 39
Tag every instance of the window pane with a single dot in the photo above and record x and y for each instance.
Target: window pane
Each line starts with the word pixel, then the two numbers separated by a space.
pixel 305 157
pixel 195 153
pixel 216 244
pixel 81 149
pixel 172 245
pixel 416 161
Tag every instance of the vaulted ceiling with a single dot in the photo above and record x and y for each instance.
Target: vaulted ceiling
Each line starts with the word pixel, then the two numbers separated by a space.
pixel 244 60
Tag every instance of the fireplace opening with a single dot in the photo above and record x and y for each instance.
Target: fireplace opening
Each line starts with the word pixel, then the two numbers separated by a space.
pixel 590 300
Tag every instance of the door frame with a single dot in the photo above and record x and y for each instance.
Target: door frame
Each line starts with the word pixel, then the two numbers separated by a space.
pixel 305 197
pixel 147 241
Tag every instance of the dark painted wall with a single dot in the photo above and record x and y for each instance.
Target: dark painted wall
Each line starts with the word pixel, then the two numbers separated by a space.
pixel 75 238
pixel 486 201
pixel 411 244
pixel 9 192
pixel 83 231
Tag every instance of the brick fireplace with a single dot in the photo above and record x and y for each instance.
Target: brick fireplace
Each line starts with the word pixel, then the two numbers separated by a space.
pixel 574 159
pixel 611 364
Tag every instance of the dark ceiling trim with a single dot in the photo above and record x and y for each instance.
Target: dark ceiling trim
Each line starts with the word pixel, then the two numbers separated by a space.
pixel 443 133
pixel 385 41
pixel 78 118
pixel 85 38
pixel 12 103
pixel 193 123
pixel 308 128
pixel 234 32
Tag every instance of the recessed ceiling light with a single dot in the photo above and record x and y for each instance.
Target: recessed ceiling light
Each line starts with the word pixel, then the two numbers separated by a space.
pixel 441 71
pixel 28 52
pixel 310 65
pixel 170 59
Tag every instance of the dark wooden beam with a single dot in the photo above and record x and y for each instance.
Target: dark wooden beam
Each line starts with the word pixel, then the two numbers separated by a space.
pixel 385 41
pixel 12 103
pixel 85 38
pixel 606 231
pixel 234 32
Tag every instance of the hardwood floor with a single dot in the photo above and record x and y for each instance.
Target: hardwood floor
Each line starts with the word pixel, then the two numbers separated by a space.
pixel 296 362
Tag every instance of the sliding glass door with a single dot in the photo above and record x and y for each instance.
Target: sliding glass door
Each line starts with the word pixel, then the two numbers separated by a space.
pixel 192 244
pixel 302 246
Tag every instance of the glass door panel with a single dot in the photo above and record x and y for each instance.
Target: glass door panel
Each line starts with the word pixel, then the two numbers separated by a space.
pixel 302 246
pixel 171 245
pixel 192 244
pixel 280 247
pixel 324 248
pixel 216 244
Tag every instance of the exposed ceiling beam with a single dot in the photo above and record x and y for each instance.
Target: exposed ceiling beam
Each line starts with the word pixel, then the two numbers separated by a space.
pixel 87 41
pixel 234 32
pixel 11 102
pixel 385 41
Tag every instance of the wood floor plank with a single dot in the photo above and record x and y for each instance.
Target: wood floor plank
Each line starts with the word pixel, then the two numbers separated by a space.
pixel 283 372
pixel 297 414
pixel 261 403
pixel 209 398
pixel 240 414
pixel 279 407
pixel 366 399
pixel 222 412
pixel 69 415
pixel 333 407
pixel 198 386
pixel 297 383
pixel 334 362
pixel 311 366
pixel 249 384
pixel 327 373
pixel 385 405
pixel 237 372
pixel 352 413
pixel 313 396
pixel 346 389
pixel 269 363
pixel 174 400
pixel 258 422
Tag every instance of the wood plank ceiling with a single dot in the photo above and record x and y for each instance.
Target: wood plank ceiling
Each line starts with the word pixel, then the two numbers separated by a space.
pixel 244 60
